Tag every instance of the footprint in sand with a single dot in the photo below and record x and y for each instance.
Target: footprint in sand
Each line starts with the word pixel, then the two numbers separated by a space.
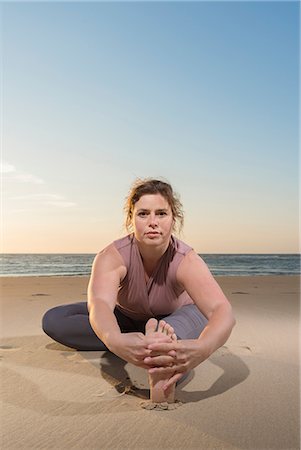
pixel 9 348
pixel 164 406
pixel 240 292
pixel 69 354
pixel 40 295
pixel 75 357
pixel 246 347
pixel 242 349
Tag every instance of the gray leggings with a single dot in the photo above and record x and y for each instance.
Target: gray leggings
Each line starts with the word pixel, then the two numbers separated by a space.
pixel 69 325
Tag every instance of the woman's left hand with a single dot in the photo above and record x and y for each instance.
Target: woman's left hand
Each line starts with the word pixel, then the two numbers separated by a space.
pixel 187 354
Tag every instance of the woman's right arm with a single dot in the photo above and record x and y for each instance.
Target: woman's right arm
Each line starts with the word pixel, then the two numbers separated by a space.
pixel 107 271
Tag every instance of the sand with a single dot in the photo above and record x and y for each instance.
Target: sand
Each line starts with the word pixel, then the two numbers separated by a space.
pixel 245 396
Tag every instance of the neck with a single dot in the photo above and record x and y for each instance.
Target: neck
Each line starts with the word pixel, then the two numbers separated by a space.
pixel 151 255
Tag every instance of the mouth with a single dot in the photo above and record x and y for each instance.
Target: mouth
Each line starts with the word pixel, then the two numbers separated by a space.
pixel 152 233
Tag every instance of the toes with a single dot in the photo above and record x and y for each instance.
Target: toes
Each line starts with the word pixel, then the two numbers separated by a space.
pixel 151 326
pixel 172 334
pixel 161 326
pixel 167 329
pixel 171 331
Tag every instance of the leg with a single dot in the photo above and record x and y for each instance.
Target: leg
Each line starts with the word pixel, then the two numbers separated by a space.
pixel 157 381
pixel 69 325
pixel 188 322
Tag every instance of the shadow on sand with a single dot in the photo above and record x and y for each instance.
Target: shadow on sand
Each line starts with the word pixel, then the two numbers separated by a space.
pixel 235 371
pixel 26 351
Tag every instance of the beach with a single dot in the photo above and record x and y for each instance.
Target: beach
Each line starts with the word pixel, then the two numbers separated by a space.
pixel 245 396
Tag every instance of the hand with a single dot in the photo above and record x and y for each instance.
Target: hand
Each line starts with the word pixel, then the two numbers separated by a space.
pixel 187 355
pixel 133 347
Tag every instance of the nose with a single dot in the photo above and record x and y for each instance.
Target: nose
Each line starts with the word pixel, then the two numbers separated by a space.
pixel 153 220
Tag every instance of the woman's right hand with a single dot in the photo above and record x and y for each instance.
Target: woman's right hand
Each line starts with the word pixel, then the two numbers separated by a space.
pixel 132 347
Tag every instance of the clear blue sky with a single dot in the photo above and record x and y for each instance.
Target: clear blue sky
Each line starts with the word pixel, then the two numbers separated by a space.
pixel 204 94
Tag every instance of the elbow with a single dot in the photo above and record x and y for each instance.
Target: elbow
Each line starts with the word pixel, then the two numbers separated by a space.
pixel 92 300
pixel 230 323
pixel 232 319
pixel 229 316
pixel 233 322
pixel 90 304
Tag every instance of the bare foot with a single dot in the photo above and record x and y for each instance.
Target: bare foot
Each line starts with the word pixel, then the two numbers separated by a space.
pixel 157 381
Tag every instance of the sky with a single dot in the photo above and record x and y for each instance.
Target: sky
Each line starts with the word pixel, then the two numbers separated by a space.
pixel 202 94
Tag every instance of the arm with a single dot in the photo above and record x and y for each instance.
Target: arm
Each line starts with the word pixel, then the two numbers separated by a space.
pixel 195 277
pixel 107 272
pixel 198 281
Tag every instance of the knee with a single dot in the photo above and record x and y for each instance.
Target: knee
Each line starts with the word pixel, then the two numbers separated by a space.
pixel 50 322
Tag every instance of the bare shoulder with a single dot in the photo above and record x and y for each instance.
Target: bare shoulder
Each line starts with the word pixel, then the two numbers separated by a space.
pixel 107 272
pixel 192 259
pixel 195 277
pixel 192 265
pixel 109 260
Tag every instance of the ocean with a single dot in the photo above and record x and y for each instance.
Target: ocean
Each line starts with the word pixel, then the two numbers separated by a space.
pixel 13 265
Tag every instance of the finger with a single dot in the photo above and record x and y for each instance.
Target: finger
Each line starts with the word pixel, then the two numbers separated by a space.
pixel 159 360
pixel 172 381
pixel 159 338
pixel 152 353
pixel 161 370
pixel 162 346
pixel 157 334
pixel 141 364
pixel 162 339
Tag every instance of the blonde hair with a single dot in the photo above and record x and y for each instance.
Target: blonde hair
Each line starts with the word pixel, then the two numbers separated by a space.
pixel 153 186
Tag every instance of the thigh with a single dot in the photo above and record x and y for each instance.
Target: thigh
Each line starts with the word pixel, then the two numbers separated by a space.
pixel 76 316
pixel 187 321
pixel 69 324
pixel 126 324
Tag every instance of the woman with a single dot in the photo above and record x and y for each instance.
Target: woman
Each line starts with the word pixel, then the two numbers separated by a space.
pixel 149 281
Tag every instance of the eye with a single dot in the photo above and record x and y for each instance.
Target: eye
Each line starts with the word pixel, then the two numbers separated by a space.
pixel 162 213
pixel 142 214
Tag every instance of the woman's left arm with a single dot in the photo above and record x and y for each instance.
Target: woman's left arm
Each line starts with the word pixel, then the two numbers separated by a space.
pixel 197 280
pixel 194 275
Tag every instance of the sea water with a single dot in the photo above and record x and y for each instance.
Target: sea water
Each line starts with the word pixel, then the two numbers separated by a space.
pixel 80 264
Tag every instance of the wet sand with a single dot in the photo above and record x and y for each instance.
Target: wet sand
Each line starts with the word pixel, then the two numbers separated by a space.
pixel 245 396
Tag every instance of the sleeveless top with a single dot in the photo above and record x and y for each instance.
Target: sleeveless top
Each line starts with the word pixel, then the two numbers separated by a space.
pixel 161 295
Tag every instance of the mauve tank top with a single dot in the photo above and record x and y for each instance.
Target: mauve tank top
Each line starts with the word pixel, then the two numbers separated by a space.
pixel 161 295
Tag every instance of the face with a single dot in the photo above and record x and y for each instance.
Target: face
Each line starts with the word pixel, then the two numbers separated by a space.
pixel 152 220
